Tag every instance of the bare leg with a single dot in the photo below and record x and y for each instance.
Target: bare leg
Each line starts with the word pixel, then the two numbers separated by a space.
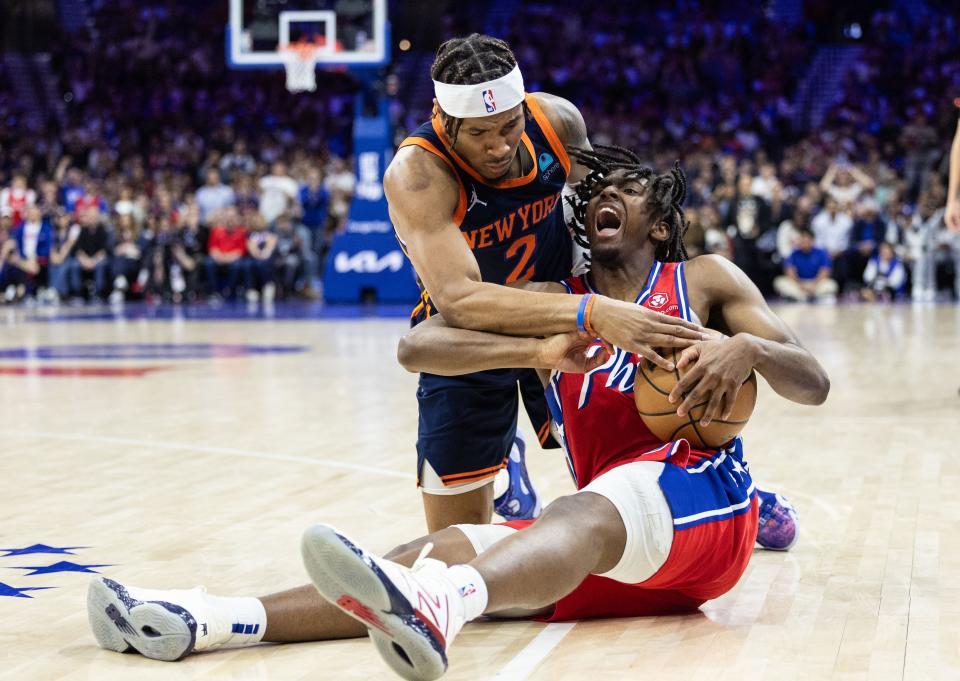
pixel 576 536
pixel 301 614
pixel 470 508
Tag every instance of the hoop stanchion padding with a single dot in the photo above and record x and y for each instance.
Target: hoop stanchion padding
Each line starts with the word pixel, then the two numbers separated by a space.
pixel 366 258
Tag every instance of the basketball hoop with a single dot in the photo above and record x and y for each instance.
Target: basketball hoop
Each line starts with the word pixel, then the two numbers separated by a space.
pixel 300 62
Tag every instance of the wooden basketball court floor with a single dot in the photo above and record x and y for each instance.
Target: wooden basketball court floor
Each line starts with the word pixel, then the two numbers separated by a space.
pixel 206 471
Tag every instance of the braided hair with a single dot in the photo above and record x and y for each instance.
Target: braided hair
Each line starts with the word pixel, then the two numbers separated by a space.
pixel 665 195
pixel 468 61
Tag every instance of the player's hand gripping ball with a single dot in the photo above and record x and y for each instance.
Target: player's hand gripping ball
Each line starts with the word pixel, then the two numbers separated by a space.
pixel 651 390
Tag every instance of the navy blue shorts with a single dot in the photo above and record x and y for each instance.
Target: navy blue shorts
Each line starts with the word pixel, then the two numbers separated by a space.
pixel 467 423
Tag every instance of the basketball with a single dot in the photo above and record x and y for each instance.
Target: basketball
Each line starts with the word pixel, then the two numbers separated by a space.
pixel 653 386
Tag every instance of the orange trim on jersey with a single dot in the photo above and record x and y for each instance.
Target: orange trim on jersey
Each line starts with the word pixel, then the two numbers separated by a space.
pixel 544 432
pixel 461 211
pixel 462 477
pixel 424 303
pixel 476 478
pixel 549 132
pixel 505 184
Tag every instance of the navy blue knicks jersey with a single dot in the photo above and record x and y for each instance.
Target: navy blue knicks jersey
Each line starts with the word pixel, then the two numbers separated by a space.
pixel 515 227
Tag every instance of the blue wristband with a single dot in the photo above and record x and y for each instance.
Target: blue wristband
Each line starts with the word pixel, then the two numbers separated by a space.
pixel 581 312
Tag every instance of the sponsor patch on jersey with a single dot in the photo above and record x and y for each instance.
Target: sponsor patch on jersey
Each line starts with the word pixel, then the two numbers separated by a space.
pixel 548 165
pixel 658 300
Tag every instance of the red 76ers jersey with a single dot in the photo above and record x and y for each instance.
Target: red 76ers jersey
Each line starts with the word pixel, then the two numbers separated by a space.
pixel 594 413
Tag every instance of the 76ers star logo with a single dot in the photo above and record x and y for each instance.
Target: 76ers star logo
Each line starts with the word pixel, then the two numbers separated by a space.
pixel 488 101
pixel 658 300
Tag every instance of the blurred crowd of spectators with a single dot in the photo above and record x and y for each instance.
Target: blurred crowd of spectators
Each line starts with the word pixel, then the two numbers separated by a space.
pixel 854 207
pixel 177 177
pixel 171 176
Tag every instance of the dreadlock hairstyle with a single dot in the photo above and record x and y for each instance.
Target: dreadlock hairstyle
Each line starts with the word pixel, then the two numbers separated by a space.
pixel 468 61
pixel 665 194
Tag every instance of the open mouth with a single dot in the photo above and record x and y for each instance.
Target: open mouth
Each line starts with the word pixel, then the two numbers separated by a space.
pixel 609 219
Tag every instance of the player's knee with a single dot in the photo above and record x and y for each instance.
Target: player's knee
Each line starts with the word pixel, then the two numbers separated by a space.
pixel 582 513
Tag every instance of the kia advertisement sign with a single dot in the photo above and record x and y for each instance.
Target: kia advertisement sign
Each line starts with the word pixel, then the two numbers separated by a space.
pixel 365 261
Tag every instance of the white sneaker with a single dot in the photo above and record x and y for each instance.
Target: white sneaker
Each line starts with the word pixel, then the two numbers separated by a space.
pixel 162 624
pixel 49 296
pixel 412 614
pixel 252 295
pixel 177 283
pixel 269 292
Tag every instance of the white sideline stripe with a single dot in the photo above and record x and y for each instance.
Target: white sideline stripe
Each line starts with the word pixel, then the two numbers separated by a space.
pixel 527 659
pixel 230 451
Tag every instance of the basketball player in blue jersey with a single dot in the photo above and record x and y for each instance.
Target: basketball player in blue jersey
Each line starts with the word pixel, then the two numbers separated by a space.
pixel 475 197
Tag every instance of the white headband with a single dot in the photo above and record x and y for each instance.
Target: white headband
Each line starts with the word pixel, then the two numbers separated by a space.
pixel 482 99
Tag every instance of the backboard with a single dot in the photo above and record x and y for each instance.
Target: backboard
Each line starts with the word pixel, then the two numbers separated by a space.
pixel 349 32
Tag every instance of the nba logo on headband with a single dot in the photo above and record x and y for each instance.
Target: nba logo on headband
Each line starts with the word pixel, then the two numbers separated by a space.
pixel 477 100
pixel 488 101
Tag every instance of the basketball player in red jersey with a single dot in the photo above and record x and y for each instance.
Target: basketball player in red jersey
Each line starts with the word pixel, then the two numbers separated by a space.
pixel 475 197
pixel 656 528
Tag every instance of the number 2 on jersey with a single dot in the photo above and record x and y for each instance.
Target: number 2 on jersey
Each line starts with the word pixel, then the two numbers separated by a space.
pixel 525 245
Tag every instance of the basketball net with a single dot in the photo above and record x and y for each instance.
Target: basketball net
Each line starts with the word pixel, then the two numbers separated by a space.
pixel 300 63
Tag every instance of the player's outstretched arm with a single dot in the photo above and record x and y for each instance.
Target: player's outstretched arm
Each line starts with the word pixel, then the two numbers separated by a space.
pixel 436 348
pixel 422 204
pixel 758 340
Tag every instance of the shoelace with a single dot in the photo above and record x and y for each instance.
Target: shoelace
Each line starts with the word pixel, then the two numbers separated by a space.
pixel 422 559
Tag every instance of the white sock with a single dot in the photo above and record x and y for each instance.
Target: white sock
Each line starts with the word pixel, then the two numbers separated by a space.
pixel 472 589
pixel 237 622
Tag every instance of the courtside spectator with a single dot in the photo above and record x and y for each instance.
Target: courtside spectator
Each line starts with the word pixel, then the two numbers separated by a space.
pixel 922 238
pixel 213 196
pixel 65 233
pixel 27 271
pixel 788 232
pixel 237 162
pixel 279 193
pixel 764 183
pixel 340 184
pixel 227 248
pixel 261 273
pixel 315 201
pixel 806 273
pixel 128 205
pixel 15 199
pixel 292 258
pixel 71 188
pixel 885 277
pixel 832 227
pixel 91 271
pixel 91 198
pixel 867 233
pixel 127 256
pixel 844 182
pixel 49 199
pixel 749 220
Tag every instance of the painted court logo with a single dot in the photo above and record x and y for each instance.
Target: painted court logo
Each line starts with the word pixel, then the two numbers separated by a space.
pixel 658 300
pixel 488 101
